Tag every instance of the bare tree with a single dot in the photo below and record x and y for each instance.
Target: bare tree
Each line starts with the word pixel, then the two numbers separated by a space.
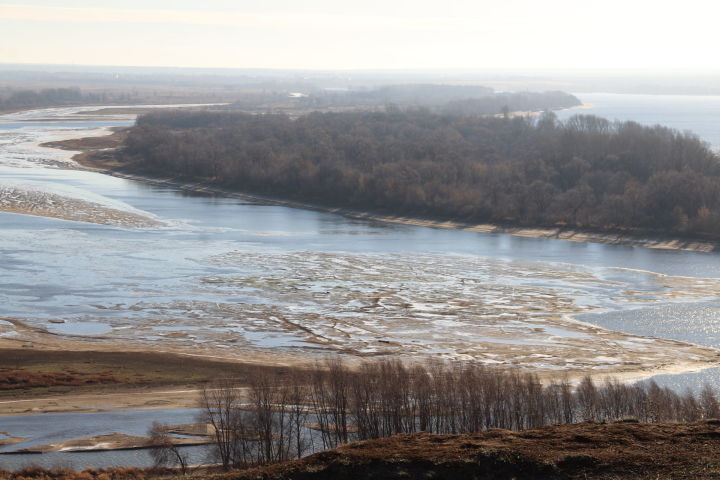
pixel 220 403
pixel 163 450
pixel 386 397
pixel 709 402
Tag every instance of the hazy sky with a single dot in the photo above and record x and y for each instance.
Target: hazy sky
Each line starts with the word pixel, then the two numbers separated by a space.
pixel 361 34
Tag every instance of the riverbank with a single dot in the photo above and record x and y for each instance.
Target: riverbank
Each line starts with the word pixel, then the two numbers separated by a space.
pixel 97 155
pixel 68 377
pixel 53 373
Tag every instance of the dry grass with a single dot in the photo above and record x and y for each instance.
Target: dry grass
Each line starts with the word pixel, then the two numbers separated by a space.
pixel 14 379
pixel 27 373
pixel 580 451
pixel 37 473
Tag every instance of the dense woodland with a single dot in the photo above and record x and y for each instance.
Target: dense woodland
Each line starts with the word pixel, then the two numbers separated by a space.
pixel 585 172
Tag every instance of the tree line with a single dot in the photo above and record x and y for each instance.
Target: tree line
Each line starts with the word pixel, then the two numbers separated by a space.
pixel 585 172
pixel 35 98
pixel 18 99
pixel 269 420
pixel 456 99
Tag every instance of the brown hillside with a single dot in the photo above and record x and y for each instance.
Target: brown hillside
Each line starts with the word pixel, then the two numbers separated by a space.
pixel 587 450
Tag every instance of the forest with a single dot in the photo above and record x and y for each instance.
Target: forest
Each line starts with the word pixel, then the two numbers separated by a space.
pixel 585 172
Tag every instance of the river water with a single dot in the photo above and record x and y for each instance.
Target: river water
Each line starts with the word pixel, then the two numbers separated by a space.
pixel 231 275
pixel 695 113
pixel 44 429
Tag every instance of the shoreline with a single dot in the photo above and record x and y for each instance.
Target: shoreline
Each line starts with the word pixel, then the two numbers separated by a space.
pixel 127 398
pixel 96 154
pixel 184 371
pixel 100 160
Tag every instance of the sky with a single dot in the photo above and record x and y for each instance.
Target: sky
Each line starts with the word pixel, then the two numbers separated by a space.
pixel 364 34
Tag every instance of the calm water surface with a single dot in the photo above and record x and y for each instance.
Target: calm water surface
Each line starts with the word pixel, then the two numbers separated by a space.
pixel 44 429
pixel 695 113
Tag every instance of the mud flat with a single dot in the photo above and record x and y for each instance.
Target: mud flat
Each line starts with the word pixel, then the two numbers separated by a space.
pixel 299 306
pixel 189 429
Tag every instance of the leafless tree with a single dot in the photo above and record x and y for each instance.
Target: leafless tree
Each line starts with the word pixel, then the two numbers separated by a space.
pixel 220 403
pixel 163 450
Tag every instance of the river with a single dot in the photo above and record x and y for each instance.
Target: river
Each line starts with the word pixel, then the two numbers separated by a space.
pixel 222 275
pixel 694 113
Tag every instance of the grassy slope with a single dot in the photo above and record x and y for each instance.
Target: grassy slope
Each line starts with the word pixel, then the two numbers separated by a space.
pixel 587 450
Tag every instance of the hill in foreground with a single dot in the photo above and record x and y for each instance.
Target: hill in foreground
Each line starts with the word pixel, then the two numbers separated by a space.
pixel 586 450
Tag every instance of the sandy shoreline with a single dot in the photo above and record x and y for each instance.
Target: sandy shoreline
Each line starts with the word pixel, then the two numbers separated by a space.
pixel 572 235
pixel 668 356
pixel 75 210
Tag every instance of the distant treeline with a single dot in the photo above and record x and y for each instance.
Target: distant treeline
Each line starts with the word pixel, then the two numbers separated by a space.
pixel 51 97
pixel 33 98
pixel 584 172
pixel 268 421
pixel 511 102
pixel 459 99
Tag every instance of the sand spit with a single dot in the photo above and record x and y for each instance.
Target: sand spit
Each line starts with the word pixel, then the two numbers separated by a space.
pixel 16 199
pixel 189 429
pixel 7 439
pixel 100 443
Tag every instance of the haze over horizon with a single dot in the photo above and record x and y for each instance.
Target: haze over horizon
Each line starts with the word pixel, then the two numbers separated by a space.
pixel 323 35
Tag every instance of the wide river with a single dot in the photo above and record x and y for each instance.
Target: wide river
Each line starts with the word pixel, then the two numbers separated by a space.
pixel 229 275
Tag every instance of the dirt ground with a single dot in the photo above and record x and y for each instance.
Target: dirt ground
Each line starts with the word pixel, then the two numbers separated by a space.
pixel 144 380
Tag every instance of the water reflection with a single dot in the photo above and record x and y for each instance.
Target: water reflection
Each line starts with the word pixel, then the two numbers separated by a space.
pixel 44 429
